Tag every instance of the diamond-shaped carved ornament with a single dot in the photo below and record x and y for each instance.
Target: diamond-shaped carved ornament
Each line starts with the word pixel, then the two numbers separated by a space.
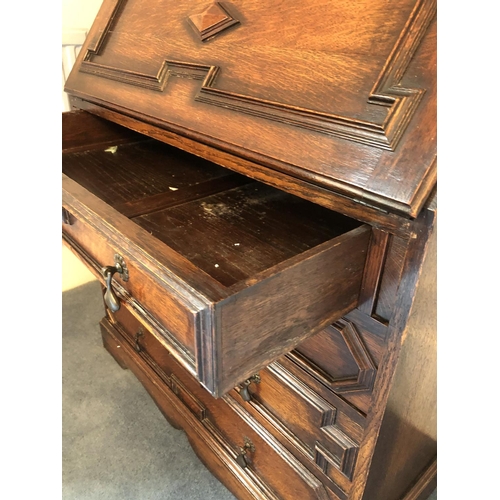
pixel 212 21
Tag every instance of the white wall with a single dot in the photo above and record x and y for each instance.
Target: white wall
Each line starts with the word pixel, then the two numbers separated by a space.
pixel 77 15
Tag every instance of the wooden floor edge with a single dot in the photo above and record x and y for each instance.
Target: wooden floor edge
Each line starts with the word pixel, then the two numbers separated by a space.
pixel 425 484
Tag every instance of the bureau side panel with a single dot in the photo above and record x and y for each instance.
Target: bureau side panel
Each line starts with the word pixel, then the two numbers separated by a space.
pixel 408 434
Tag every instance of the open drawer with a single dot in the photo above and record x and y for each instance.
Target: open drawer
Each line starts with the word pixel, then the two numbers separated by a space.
pixel 231 273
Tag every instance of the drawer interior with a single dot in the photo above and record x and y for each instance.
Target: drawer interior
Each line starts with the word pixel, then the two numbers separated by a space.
pixel 226 224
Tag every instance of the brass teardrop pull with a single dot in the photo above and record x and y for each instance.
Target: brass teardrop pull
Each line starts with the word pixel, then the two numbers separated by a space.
pixel 110 298
pixel 243 387
pixel 241 458
pixel 138 335
pixel 67 218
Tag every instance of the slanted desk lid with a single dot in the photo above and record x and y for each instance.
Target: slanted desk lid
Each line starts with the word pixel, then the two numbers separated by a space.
pixel 341 94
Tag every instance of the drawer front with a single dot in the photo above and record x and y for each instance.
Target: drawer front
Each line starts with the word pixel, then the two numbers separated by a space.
pixel 177 316
pixel 141 337
pixel 277 468
pixel 249 449
pixel 318 431
pixel 220 269
pixel 344 357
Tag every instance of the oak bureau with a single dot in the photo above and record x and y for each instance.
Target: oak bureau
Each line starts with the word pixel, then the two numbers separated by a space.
pixel 254 184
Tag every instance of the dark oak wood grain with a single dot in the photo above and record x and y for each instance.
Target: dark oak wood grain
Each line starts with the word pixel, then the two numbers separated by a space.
pixel 269 467
pixel 385 438
pixel 84 131
pixel 354 371
pixel 408 433
pixel 371 280
pixel 306 420
pixel 386 297
pixel 269 77
pixel 271 400
pixel 145 173
pixel 243 231
pixel 172 198
pixel 268 173
pixel 226 262
pixel 265 171
pixel 264 333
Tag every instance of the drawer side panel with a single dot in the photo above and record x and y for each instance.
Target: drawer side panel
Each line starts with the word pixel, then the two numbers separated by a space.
pixel 273 316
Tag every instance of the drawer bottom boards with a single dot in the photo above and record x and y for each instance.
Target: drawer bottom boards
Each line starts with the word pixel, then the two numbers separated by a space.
pixel 233 446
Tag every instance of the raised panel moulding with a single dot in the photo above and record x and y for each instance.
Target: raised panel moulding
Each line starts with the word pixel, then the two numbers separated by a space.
pixel 387 90
pixel 362 381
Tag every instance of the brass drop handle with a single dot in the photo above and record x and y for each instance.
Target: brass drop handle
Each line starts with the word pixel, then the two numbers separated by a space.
pixel 110 298
pixel 244 392
pixel 67 218
pixel 138 335
pixel 241 458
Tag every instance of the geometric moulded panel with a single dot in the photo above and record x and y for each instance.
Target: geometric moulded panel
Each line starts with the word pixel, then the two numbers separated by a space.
pixel 400 102
pixel 355 368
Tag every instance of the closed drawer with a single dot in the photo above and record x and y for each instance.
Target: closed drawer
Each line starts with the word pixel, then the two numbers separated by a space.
pixel 236 273
pixel 317 429
pixel 146 341
pixel 247 449
pixel 356 343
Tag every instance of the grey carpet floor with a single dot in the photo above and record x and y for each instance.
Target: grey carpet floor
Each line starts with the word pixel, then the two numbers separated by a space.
pixel 116 443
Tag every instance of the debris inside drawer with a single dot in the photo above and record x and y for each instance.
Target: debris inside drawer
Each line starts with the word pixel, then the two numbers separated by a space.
pixel 111 149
